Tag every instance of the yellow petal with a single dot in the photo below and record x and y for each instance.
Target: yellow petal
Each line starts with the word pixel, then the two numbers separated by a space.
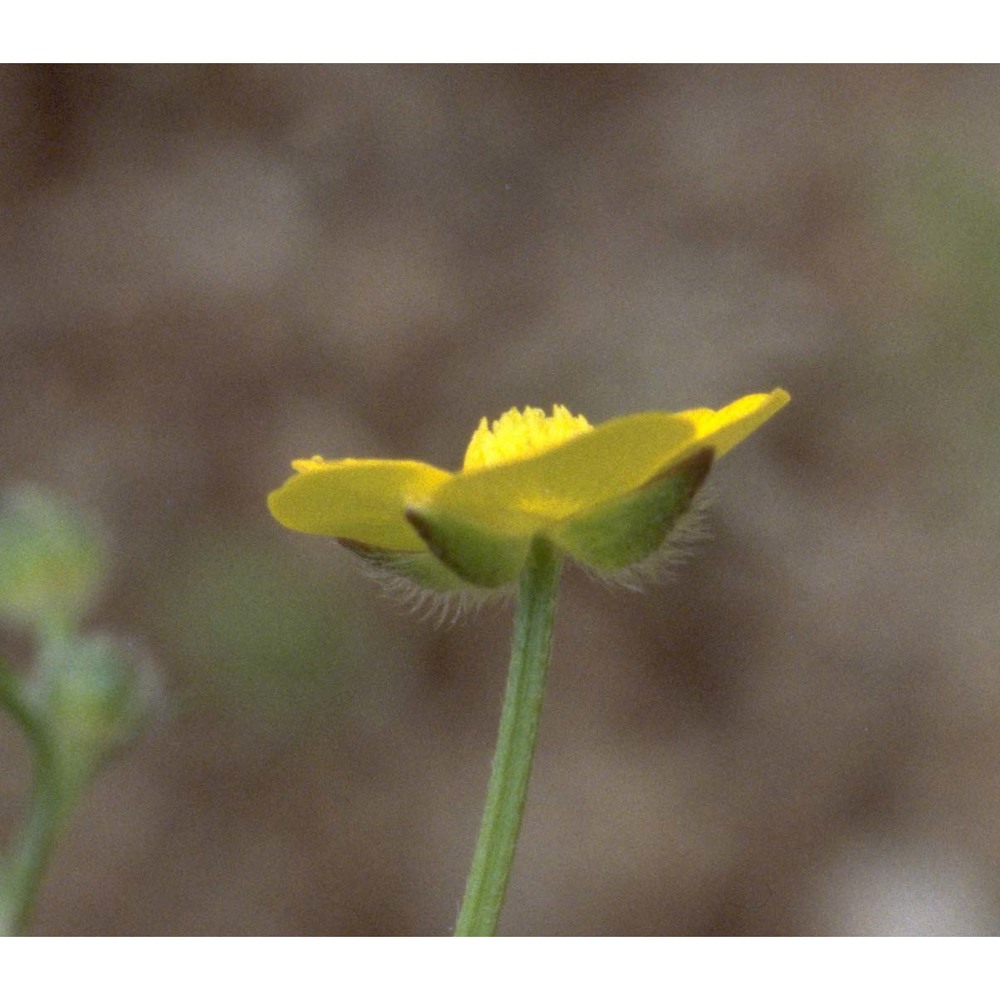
pixel 724 429
pixel 363 500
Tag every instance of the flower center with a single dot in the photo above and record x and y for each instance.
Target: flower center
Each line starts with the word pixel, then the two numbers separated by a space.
pixel 521 434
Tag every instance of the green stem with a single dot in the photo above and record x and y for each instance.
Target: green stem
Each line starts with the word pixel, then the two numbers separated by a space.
pixel 508 788
pixel 22 872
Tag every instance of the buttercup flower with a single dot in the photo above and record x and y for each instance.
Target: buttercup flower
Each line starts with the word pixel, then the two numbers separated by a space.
pixel 531 489
pixel 607 496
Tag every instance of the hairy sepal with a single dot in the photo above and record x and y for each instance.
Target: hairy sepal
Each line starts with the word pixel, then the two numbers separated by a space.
pixel 627 530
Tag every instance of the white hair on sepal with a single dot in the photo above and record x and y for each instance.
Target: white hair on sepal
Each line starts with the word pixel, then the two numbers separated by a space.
pixel 441 607
pixel 678 546
pixel 444 608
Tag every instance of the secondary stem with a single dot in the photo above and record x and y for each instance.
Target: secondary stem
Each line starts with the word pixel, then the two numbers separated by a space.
pixel 508 788
pixel 22 871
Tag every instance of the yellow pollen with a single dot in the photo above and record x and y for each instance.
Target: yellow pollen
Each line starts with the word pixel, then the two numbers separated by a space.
pixel 521 434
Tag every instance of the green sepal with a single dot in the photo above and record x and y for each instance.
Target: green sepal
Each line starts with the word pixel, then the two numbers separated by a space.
pixel 624 531
pixel 481 557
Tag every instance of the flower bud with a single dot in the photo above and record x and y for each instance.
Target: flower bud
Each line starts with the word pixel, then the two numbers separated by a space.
pixel 95 694
pixel 51 561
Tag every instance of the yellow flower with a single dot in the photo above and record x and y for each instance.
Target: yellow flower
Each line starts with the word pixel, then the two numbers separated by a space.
pixel 607 495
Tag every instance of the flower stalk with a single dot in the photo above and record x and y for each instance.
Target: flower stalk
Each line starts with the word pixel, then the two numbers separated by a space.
pixel 515 749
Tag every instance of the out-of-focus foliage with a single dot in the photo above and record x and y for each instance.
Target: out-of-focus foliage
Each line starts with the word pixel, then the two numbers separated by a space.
pixel 80 697
pixel 274 639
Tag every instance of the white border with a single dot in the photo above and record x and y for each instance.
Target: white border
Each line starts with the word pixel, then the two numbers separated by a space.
pixel 504 31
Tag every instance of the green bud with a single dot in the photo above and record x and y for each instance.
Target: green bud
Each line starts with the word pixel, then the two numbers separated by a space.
pixel 51 561
pixel 94 694
pixel 624 531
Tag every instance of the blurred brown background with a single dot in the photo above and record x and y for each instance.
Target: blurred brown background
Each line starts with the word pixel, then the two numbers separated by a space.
pixel 208 271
